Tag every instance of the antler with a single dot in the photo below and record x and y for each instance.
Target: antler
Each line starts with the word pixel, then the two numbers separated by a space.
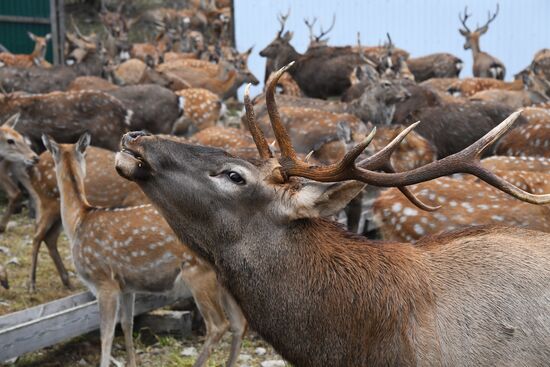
pixel 465 18
pixel 324 33
pixel 282 20
pixel 465 161
pixel 255 131
pixel 490 17
pixel 310 26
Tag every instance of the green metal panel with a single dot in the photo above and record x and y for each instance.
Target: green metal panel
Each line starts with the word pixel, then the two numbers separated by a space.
pixel 13 35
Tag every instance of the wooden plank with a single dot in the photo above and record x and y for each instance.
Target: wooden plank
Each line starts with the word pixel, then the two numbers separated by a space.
pixel 21 19
pixel 44 309
pixel 62 324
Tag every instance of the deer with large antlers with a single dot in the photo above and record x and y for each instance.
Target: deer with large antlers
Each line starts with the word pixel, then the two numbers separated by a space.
pixel 485 65
pixel 35 58
pixel 120 251
pixel 322 296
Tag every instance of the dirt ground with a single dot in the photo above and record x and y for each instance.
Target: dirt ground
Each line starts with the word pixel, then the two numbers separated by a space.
pixel 153 350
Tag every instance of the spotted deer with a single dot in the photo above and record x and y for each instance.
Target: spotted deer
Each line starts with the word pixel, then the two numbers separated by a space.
pixel 35 58
pixel 322 296
pixel 120 251
pixel 201 109
pixel 535 91
pixel 467 87
pixel 66 115
pixel 485 65
pixel 36 175
pixel 464 203
pixel 531 139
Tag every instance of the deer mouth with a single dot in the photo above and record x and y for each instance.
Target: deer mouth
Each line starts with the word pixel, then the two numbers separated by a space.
pixel 129 162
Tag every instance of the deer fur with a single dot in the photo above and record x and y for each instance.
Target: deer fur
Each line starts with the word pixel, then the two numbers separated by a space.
pixel 66 115
pixel 120 251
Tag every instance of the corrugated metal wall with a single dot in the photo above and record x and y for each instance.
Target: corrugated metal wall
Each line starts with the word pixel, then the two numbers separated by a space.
pixel 14 35
pixel 419 26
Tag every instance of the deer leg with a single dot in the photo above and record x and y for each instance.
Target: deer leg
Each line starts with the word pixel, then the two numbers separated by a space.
pixel 353 212
pixel 127 323
pixel 44 222
pixel 108 311
pixel 14 195
pixel 208 303
pixel 51 243
pixel 237 325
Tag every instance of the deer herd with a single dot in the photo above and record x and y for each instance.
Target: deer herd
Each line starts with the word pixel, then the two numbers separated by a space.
pixel 441 186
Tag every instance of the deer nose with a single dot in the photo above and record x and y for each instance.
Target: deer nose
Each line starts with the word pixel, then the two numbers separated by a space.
pixel 35 159
pixel 132 136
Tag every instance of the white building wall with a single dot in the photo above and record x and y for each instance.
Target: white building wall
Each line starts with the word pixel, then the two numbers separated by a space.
pixel 419 26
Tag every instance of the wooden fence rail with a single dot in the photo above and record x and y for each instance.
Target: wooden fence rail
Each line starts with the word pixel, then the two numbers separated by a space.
pixel 51 323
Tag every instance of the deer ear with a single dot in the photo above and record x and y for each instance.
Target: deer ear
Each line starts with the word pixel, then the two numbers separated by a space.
pixel 318 199
pixel 483 30
pixel 288 36
pixel 83 143
pixel 48 37
pixel 31 36
pixel 463 32
pixel 12 121
pixel 51 145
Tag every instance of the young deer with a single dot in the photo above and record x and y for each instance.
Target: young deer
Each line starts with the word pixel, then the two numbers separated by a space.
pixel 35 58
pixel 485 65
pixel 22 167
pixel 120 251
pixel 14 148
pixel 324 297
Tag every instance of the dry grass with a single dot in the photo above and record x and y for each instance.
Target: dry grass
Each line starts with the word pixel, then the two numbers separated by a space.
pixel 18 240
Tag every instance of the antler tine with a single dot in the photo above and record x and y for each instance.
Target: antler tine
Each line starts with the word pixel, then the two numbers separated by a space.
pixel 463 20
pixel 287 151
pixel 381 160
pixel 255 131
pixel 282 20
pixel 378 159
pixel 310 27
pixel 324 33
pixel 490 17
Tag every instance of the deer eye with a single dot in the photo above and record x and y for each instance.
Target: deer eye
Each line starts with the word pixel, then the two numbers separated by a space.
pixel 11 141
pixel 235 177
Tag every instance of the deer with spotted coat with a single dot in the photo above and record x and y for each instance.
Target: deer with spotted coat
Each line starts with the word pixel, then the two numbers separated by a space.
pixel 120 251
pixel 324 297
pixel 35 58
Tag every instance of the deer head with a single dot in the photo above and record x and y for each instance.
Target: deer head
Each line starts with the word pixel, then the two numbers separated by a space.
pixel 273 193
pixel 40 44
pixel 472 38
pixel 14 147
pixel 281 43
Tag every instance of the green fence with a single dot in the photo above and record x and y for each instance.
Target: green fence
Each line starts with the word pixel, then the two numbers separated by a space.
pixel 17 17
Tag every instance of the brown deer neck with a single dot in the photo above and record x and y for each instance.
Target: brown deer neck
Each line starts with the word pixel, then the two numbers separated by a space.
pixel 316 267
pixel 39 52
pixel 74 204
pixel 474 42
